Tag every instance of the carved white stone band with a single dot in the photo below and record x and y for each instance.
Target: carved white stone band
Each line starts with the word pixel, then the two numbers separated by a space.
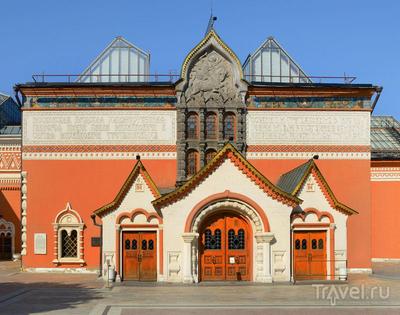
pixel 99 127
pixel 308 127
pixel 385 174
pixel 98 155
pixel 309 155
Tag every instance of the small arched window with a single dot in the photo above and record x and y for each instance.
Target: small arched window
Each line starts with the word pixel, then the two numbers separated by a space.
pixel 192 162
pixel 69 244
pixel 68 241
pixel 229 126
pixel 211 126
pixel 192 126
pixel 210 155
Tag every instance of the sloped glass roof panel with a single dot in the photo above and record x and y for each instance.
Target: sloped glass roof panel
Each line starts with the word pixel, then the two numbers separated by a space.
pixel 121 61
pixel 271 63
pixel 385 133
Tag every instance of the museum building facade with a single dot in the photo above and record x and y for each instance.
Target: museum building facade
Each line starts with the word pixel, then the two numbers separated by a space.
pixel 230 172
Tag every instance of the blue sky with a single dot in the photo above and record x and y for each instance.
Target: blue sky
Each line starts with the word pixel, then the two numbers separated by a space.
pixel 327 38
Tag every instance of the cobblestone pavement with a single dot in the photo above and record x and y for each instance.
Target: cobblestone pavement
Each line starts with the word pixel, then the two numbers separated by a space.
pixel 55 293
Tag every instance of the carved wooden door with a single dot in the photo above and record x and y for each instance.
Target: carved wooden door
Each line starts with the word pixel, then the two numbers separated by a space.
pixel 310 257
pixel 139 256
pixel 212 247
pixel 224 248
pixel 237 249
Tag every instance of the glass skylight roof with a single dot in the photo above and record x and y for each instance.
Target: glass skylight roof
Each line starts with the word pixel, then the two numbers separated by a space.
pixel 121 61
pixel 271 63
pixel 385 133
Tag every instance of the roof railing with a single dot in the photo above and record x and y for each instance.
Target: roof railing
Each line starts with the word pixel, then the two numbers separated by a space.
pixel 171 78
pixel 104 78
pixel 299 79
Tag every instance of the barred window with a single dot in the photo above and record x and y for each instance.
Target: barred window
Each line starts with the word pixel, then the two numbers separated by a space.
pixel 229 127
pixel 210 155
pixel 69 244
pixel 192 162
pixel 192 126
pixel 68 228
pixel 211 126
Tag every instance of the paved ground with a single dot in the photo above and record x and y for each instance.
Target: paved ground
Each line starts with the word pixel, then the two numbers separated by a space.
pixel 41 293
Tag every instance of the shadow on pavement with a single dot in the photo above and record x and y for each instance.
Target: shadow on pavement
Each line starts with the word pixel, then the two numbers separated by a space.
pixel 43 297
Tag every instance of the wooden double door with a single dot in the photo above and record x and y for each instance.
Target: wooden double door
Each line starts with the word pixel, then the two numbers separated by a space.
pixel 139 256
pixel 225 248
pixel 310 255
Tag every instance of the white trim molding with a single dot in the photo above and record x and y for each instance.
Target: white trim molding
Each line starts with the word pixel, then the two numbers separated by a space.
pixel 385 174
pixel 98 155
pixel 359 270
pixel 389 260
pixel 308 155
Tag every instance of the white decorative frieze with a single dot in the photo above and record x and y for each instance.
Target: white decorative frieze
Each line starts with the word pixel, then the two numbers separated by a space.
pixel 385 174
pixel 308 127
pixel 308 155
pixel 99 127
pixel 98 155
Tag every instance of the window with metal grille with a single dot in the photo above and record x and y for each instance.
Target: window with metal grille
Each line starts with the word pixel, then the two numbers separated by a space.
pixel 69 244
pixel 192 163
pixel 229 127
pixel 212 241
pixel 236 241
pixel 192 126
pixel 210 155
pixel 211 126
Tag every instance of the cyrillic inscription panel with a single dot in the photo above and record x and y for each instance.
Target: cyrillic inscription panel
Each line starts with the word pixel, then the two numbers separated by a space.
pixel 99 127
pixel 308 127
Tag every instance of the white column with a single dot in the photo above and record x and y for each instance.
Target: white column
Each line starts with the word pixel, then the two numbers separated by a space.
pixel 264 273
pixel 188 239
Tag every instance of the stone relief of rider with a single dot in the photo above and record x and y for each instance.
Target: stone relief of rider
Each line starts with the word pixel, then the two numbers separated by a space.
pixel 210 81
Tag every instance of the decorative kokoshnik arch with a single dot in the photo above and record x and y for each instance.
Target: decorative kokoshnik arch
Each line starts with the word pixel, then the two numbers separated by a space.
pixel 228 200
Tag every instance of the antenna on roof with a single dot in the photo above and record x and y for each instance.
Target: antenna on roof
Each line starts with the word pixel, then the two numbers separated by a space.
pixel 211 21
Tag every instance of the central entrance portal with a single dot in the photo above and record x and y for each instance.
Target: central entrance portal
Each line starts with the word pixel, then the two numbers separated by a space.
pixel 225 247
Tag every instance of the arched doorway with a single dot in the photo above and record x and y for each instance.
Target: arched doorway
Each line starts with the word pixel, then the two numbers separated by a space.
pixel 5 246
pixel 225 247
pixel 6 239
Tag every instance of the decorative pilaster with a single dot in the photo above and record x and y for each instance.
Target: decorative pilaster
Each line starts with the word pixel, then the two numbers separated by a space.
pixel 264 256
pixel 117 252
pixel 55 229
pixel 188 239
pixel 23 211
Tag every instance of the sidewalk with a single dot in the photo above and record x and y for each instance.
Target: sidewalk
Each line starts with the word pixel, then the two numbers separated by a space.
pixel 56 293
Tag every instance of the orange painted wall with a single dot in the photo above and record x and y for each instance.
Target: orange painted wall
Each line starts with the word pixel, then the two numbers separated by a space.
pixel 350 182
pixel 385 219
pixel 87 185
pixel 10 209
